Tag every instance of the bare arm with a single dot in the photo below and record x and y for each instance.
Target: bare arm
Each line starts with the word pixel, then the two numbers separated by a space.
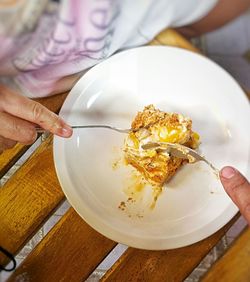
pixel 223 12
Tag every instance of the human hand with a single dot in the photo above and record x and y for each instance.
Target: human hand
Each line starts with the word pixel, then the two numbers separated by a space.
pixel 19 116
pixel 238 189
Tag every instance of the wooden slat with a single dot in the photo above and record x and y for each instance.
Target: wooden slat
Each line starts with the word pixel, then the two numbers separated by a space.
pixel 170 37
pixel 10 157
pixel 70 252
pixel 234 266
pixel 26 200
pixel 170 265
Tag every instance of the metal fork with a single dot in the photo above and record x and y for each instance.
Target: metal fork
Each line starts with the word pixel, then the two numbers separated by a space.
pixel 121 130
pixel 179 151
pixel 118 129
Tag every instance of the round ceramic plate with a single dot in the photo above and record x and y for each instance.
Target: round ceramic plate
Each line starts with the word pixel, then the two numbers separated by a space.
pixel 193 205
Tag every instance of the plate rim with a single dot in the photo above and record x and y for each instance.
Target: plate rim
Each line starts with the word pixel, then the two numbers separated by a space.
pixel 89 217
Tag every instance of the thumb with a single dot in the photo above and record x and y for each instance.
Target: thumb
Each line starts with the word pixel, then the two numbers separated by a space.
pixel 238 189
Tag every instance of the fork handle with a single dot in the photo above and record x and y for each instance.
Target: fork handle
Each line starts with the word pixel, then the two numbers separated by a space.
pixel 42 130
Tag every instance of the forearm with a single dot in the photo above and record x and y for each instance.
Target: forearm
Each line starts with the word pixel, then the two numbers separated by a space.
pixel 223 12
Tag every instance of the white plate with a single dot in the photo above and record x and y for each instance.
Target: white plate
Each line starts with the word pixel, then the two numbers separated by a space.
pixel 193 205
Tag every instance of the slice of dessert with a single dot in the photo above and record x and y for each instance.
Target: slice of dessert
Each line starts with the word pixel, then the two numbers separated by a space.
pixel 153 125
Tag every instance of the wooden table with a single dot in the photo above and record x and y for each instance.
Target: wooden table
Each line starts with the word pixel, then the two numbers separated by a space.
pixel 72 249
